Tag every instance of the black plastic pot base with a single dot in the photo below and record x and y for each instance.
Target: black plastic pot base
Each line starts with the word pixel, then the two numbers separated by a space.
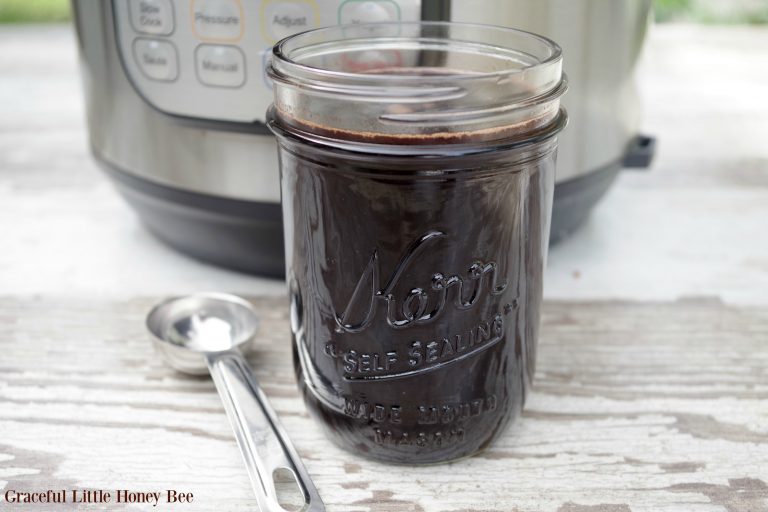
pixel 248 236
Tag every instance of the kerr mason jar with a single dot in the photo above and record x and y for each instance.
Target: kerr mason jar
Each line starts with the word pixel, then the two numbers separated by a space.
pixel 417 163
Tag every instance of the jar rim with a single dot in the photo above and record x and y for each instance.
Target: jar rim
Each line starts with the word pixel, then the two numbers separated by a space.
pixel 281 51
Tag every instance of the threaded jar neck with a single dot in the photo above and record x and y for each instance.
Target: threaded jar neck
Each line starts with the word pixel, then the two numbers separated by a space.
pixel 419 83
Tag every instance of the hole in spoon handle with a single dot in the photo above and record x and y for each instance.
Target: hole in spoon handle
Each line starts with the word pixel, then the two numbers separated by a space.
pixel 263 443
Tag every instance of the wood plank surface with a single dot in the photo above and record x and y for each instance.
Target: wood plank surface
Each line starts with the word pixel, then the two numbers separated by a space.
pixel 637 407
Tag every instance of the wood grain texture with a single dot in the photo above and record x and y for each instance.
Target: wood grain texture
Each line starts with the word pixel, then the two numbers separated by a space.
pixel 636 407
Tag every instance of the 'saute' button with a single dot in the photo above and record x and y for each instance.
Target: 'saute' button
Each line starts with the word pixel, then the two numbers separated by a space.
pixel 156 58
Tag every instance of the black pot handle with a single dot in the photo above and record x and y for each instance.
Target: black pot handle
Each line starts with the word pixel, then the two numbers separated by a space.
pixel 640 152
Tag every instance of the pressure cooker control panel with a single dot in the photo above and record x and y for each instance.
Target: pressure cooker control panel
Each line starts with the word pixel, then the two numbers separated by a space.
pixel 206 58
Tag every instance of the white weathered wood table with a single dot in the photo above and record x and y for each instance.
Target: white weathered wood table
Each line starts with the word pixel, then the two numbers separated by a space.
pixel 652 379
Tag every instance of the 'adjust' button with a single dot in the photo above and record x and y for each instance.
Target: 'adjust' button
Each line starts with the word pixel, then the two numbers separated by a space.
pixel 283 19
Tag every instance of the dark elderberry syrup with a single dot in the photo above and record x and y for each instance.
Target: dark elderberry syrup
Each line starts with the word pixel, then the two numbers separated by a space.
pixel 414 264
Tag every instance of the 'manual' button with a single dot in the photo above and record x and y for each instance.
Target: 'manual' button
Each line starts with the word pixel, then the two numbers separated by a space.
pixel 157 59
pixel 152 16
pixel 220 66
pixel 218 20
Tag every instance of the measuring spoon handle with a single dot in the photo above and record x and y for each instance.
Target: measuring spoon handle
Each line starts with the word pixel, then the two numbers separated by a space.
pixel 263 442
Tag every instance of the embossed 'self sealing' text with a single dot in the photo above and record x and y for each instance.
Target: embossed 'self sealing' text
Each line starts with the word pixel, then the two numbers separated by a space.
pixel 419 355
pixel 452 347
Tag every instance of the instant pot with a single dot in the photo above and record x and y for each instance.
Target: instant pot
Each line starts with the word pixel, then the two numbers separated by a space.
pixel 176 95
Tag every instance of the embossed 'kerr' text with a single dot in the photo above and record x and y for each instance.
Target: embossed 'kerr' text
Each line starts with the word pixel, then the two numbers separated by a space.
pixel 421 304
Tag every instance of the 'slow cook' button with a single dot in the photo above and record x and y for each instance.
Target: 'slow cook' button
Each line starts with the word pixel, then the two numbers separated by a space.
pixel 152 16
pixel 157 59
pixel 220 66
pixel 218 20
pixel 286 18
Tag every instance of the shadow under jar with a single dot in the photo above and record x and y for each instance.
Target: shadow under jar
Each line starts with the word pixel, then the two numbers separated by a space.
pixel 417 168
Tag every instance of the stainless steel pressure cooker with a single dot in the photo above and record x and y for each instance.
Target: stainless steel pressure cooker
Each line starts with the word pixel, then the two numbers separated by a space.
pixel 176 95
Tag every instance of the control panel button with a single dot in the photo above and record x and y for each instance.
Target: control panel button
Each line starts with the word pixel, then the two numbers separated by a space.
pixel 157 59
pixel 285 18
pixel 152 16
pixel 220 66
pixel 266 53
pixel 368 11
pixel 218 20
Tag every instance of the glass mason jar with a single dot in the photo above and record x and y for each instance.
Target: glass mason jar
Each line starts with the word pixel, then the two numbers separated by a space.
pixel 417 171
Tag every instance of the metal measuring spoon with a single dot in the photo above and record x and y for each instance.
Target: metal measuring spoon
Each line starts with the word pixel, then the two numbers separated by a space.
pixel 202 332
